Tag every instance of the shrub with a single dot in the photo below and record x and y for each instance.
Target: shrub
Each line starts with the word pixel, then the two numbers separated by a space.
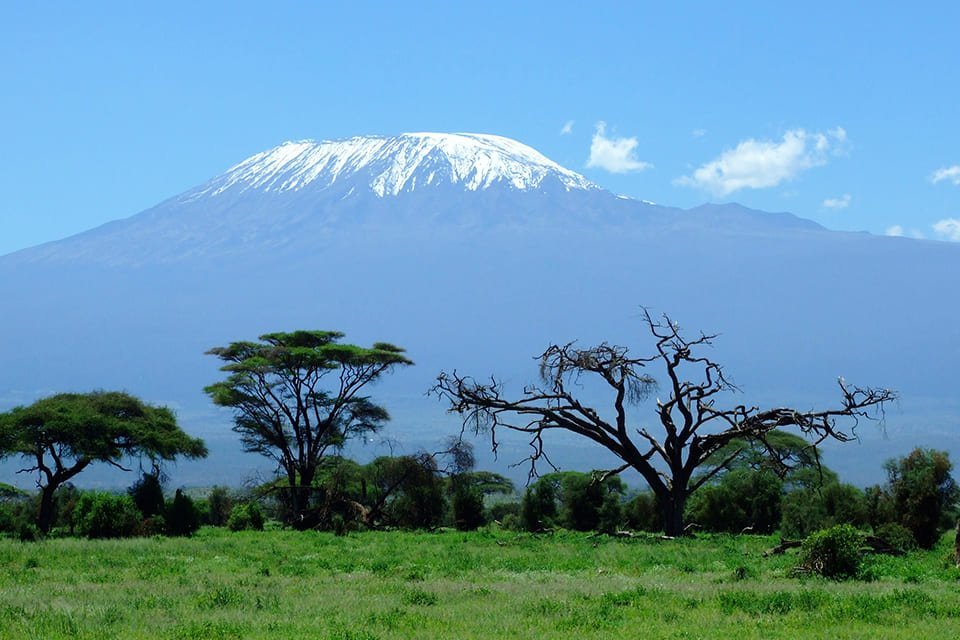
pixel 810 509
pixel 106 515
pixel 245 516
pixel 922 492
pixel 642 514
pixel 183 518
pixel 743 498
pixel 147 494
pixel 219 505
pixel 833 553
pixel 897 535
pixel 467 504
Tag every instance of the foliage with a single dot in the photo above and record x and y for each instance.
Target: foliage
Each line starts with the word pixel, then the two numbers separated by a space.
pixel 742 500
pixel 245 516
pixel 809 509
pixel 147 494
pixel 921 491
pixel 897 535
pixel 297 396
pixel 407 491
pixel 62 435
pixel 100 514
pixel 467 505
pixel 182 515
pixel 219 506
pixel 573 500
pixel 641 512
pixel 832 553
pixel 679 459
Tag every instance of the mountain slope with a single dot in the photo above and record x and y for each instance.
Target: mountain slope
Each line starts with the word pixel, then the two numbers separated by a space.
pixel 478 268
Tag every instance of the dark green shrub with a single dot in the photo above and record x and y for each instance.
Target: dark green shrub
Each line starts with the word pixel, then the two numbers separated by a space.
pixel 219 506
pixel 106 515
pixel 922 492
pixel 810 509
pixel 147 494
pixel 408 491
pixel 467 504
pixel 183 517
pixel 245 516
pixel 641 513
pixel 538 509
pixel 897 535
pixel 833 553
pixel 743 499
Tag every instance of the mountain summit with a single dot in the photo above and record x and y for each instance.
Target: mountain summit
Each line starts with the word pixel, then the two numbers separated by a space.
pixel 389 166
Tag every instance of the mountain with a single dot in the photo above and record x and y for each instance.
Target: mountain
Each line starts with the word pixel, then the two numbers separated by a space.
pixel 474 252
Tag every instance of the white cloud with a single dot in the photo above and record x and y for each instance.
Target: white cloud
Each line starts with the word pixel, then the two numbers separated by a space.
pixel 948 228
pixel 758 164
pixel 698 133
pixel 947 173
pixel 567 128
pixel 616 155
pixel 838 203
pixel 898 231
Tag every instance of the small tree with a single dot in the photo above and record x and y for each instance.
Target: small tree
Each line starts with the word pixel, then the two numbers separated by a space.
pixel 920 491
pixel 183 517
pixel 678 460
pixel 296 397
pixel 147 494
pixel 62 435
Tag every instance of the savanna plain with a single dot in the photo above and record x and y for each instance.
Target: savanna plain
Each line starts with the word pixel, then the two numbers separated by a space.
pixel 446 584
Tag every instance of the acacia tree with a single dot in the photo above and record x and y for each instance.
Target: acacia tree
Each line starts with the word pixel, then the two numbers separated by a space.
pixel 62 435
pixel 680 457
pixel 296 396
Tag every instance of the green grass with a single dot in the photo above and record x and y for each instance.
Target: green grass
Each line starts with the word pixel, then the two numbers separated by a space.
pixel 376 585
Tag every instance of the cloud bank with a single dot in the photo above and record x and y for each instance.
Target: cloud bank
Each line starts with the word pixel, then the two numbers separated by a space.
pixel 759 164
pixel 616 155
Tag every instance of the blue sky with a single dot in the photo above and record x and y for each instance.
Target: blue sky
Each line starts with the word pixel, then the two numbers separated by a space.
pixel 845 113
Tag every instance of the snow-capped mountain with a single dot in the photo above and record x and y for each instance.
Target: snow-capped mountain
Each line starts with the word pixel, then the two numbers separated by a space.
pixel 388 166
pixel 474 252
pixel 298 194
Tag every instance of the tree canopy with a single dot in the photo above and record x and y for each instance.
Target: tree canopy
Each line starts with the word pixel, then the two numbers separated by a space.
pixel 679 458
pixel 297 396
pixel 60 436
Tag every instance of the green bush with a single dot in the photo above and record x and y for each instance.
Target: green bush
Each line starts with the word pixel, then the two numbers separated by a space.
pixel 642 513
pixel 106 515
pixel 812 508
pixel 833 553
pixel 245 516
pixel 219 505
pixel 741 499
pixel 147 494
pixel 183 517
pixel 897 535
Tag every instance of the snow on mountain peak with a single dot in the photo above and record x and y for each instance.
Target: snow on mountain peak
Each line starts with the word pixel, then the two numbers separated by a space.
pixel 392 165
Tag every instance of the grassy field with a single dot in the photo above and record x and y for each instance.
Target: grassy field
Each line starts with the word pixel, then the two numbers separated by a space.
pixel 285 584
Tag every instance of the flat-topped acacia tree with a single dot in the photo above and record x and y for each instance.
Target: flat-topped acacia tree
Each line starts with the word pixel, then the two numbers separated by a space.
pixel 681 455
pixel 297 396
pixel 62 435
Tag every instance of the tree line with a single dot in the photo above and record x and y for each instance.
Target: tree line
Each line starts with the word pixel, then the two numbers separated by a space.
pixel 297 398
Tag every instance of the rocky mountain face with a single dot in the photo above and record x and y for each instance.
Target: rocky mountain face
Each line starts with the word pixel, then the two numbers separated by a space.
pixel 474 252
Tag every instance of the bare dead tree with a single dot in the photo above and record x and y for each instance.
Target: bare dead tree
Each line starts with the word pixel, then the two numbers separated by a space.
pixel 676 459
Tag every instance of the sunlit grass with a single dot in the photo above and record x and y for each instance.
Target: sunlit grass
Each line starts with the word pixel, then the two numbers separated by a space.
pixel 285 584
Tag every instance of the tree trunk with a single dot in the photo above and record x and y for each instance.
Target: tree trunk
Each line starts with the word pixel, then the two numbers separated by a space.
pixel 45 516
pixel 672 506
